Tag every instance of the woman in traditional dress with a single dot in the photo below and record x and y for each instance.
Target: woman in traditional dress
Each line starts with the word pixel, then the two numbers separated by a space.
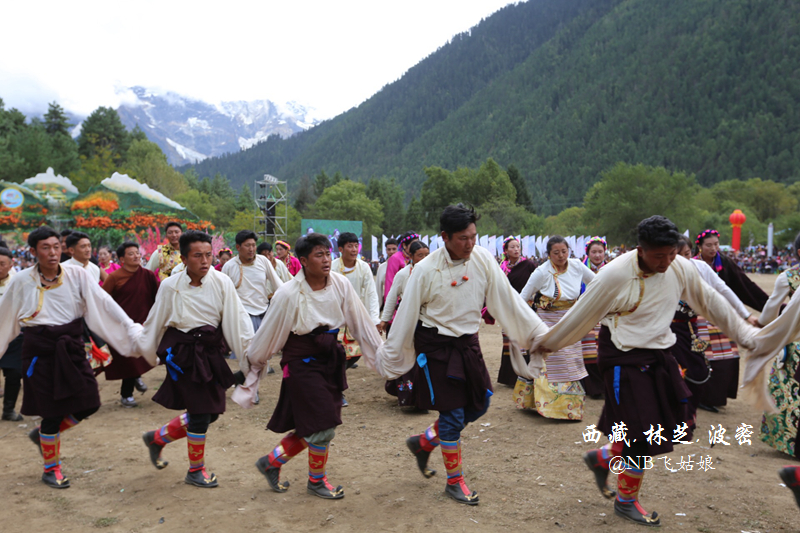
pixel 282 249
pixel 224 255
pixel 402 387
pixel 593 383
pixel 105 260
pixel 690 348
pixel 518 269
pixel 556 284
pixel 780 430
pixel 722 353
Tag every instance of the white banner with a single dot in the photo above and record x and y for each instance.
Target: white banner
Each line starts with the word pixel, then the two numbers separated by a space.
pixel 374 248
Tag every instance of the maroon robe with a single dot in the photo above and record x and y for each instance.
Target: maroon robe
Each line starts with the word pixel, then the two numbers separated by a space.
pixel 136 296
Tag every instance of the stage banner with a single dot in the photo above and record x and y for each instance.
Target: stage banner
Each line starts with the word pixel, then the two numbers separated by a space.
pixel 332 229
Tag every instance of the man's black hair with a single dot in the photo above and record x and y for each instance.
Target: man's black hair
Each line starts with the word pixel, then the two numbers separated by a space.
pixel 74 238
pixel 457 218
pixel 244 235
pixel 190 237
pixel 122 248
pixel 555 239
pixel 6 252
pixel 306 244
pixel 346 238
pixel 65 232
pixel 390 241
pixel 42 233
pixel 264 246
pixel 3 243
pixel 657 232
pixel 173 223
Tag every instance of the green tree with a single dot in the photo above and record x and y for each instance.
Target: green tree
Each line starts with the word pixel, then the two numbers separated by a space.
pixel 347 200
pixel 505 218
pixel 489 184
pixel 198 203
pixel 390 196
pixel 523 194
pixel 304 196
pixel 570 221
pixel 56 121
pixel 148 164
pixel 627 194
pixel 441 189
pixel 321 182
pixel 103 128
pixel 101 165
pixel 244 200
pixel 414 219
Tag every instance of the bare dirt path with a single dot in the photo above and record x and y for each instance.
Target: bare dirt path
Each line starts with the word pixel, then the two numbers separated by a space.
pixel 528 472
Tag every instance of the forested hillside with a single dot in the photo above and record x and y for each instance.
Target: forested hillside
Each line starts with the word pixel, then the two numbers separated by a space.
pixel 563 90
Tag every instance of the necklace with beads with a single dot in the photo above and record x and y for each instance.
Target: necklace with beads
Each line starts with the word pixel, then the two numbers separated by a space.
pixel 48 280
pixel 464 278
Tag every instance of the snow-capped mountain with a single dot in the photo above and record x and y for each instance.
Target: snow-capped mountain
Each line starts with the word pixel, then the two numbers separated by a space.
pixel 189 130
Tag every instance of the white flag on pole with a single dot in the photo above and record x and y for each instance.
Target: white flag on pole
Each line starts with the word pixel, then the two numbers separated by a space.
pixel 374 248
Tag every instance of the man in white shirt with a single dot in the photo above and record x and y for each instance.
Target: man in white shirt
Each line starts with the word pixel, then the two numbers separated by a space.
pixel 634 298
pixel 51 301
pixel 253 276
pixel 437 327
pixel 80 248
pixel 265 249
pixel 303 319
pixel 380 276
pixel 359 274
pixel 197 316
pixel 11 362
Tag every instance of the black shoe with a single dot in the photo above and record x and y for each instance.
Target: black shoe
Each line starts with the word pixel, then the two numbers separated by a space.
pixel 709 408
pixel 421 455
pixel 324 490
pixel 634 512
pixel 139 385
pixel 600 473
pixel 457 493
pixel 355 365
pixel 201 478
pixel 52 480
pixel 34 436
pixel 273 475
pixel 12 416
pixel 270 370
pixel 788 478
pixel 155 450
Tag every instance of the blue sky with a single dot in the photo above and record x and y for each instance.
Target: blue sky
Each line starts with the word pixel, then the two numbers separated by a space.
pixel 323 54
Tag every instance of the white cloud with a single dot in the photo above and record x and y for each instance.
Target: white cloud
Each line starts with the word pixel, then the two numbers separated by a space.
pixel 328 55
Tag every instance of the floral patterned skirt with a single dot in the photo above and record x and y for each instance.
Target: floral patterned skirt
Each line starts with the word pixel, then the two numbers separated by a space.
pixel 780 430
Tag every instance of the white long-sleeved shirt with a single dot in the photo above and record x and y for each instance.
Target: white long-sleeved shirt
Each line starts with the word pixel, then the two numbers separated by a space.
pixel 181 306
pixel 711 277
pixel 638 308
pixel 395 293
pixel 543 280
pixel 363 283
pixel 380 281
pixel 77 294
pixel 283 272
pixel 89 267
pixel 253 282
pixel 779 294
pixel 297 308
pixel 4 283
pixel 430 297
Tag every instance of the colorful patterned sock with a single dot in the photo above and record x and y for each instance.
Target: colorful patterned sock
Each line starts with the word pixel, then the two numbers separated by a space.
pixel 68 423
pixel 173 430
pixel 608 452
pixel 51 448
pixel 429 439
pixel 290 446
pixel 197 446
pixel 629 482
pixel 317 459
pixel 451 451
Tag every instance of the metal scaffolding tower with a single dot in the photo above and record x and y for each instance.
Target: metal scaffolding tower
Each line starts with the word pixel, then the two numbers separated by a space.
pixel 272 217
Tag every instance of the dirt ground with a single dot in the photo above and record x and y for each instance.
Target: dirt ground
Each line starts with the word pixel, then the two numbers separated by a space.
pixel 527 470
